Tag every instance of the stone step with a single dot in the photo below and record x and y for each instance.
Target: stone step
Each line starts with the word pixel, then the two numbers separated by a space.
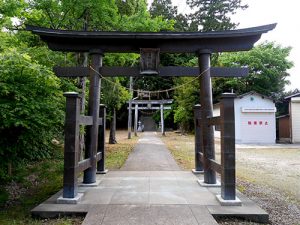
pixel 149 215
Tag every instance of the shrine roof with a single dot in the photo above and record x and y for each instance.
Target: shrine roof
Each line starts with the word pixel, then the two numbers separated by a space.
pixel 170 42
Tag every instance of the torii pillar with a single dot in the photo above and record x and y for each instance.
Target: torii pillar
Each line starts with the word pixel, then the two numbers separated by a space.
pixel 206 102
pixel 136 115
pixel 89 175
pixel 162 119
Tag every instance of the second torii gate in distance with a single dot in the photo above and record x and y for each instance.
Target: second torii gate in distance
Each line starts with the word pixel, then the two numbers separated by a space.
pixel 149 105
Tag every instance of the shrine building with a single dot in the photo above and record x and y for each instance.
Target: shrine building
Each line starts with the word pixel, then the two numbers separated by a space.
pixel 255 119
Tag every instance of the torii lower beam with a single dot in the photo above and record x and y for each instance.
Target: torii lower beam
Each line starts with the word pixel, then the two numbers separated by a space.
pixel 163 71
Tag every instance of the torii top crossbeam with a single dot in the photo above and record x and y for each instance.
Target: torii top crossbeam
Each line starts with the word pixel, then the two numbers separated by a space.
pixel 169 42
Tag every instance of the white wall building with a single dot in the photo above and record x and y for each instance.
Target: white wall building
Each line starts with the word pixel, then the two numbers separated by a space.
pixel 255 120
pixel 295 119
pixel 293 124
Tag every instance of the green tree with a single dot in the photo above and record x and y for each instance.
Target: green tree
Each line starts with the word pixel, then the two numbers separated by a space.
pixel 142 22
pixel 186 97
pixel 70 14
pixel 8 10
pixel 163 8
pixel 214 15
pixel 169 12
pixel 31 109
pixel 114 95
pixel 268 64
pixel 129 7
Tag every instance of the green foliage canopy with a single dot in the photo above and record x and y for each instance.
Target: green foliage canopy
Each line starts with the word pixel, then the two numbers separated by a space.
pixel 268 64
pixel 31 108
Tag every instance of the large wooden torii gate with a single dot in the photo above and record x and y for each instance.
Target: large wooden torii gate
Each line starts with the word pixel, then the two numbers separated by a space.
pixel 203 44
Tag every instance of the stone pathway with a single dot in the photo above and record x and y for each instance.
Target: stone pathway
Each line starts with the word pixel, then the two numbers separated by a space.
pixel 150 154
pixel 150 189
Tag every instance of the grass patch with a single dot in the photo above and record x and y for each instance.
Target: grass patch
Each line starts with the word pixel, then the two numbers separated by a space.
pixel 34 183
pixel 182 149
pixel 117 154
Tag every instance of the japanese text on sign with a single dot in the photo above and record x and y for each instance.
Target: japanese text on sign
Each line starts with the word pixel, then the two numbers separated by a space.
pixel 261 123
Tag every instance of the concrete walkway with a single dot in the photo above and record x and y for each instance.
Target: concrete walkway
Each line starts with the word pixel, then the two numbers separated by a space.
pixel 150 154
pixel 150 189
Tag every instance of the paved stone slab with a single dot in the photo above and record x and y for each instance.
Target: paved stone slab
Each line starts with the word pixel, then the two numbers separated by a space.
pixel 170 175
pixel 164 185
pixel 130 198
pixel 248 211
pixel 135 185
pixel 127 215
pixel 173 214
pixel 95 215
pixel 202 215
pixel 200 198
pixel 45 210
pixel 149 215
pixel 167 197
pixel 98 196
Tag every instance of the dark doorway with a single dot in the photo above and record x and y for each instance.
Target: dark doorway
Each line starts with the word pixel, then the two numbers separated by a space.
pixel 149 123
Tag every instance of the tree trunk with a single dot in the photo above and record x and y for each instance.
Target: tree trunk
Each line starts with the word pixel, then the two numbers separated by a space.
pixel 82 85
pixel 112 133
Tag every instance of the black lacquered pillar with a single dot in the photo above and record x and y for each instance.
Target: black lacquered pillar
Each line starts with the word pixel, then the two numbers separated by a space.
pixel 93 110
pixel 207 132
pixel 136 119
pixel 162 119
pixel 101 141
pixel 228 147
pixel 198 139
pixel 71 147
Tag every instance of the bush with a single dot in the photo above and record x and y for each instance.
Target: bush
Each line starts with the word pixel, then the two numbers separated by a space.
pixel 31 109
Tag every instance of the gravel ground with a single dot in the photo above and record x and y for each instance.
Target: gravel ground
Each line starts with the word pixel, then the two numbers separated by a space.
pixel 282 209
pixel 273 167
